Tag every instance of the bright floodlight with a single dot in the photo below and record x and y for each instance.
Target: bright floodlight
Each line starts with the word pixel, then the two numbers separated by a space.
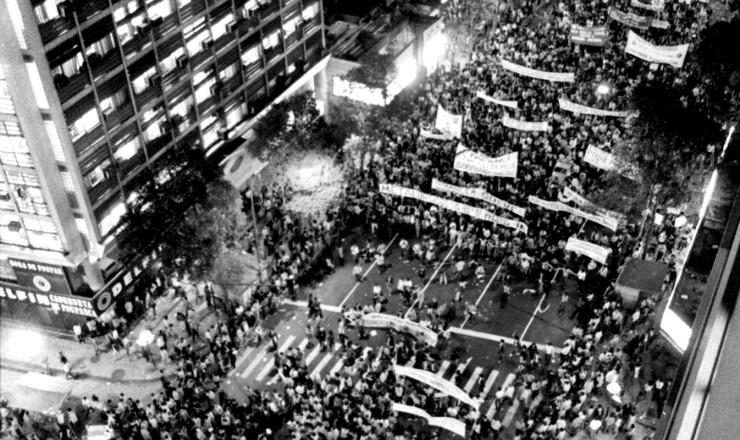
pixel 603 89
pixel 145 338
pixel 614 388
pixel 25 343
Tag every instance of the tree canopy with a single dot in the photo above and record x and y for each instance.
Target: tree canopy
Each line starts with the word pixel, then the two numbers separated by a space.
pixel 186 211
pixel 376 71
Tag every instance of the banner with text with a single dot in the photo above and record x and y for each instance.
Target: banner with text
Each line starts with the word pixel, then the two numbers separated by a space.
pixel 654 5
pixel 595 252
pixel 607 222
pixel 448 423
pixel 570 106
pixel 641 48
pixel 436 382
pixel 381 320
pixel 462 208
pixel 438 137
pixel 516 124
pixel 539 74
pixel 477 193
pixel 448 123
pixel 589 35
pixel 568 195
pixel 510 104
pixel 472 162
pixel 629 18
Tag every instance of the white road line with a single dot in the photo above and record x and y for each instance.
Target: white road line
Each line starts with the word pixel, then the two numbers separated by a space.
pixel 473 378
pixel 243 359
pixel 443 368
pixel 531 319
pixel 255 363
pixel 313 354
pixel 434 275
pixel 492 410
pixel 304 343
pixel 510 413
pixel 366 272
pixel 338 366
pixel 495 338
pixel 489 383
pixel 325 360
pixel 266 370
pixel 485 289
pixel 282 349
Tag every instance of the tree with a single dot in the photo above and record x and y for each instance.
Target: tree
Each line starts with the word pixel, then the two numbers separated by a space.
pixel 187 212
pixel 376 71
pixel 664 142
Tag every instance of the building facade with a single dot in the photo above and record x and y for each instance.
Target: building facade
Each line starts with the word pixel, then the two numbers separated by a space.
pixel 94 91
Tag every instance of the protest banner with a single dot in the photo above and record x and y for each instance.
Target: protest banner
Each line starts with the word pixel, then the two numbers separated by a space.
pixel 462 208
pixel 477 193
pixel 448 423
pixel 510 104
pixel 607 222
pixel 643 49
pixel 595 252
pixel 629 18
pixel 448 123
pixel 438 137
pixel 524 125
pixel 381 320
pixel 589 35
pixel 570 106
pixel 568 195
pixel 659 24
pixel 654 5
pixel 477 163
pixel 539 74
pixel 600 158
pixel 436 382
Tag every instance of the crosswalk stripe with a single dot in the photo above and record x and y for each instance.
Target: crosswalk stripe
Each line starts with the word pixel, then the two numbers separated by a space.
pixel 304 343
pixel 243 359
pixel 267 368
pixel 473 378
pixel 286 344
pixel 489 383
pixel 443 368
pixel 289 340
pixel 492 410
pixel 325 360
pixel 337 366
pixel 510 413
pixel 313 354
pixel 255 363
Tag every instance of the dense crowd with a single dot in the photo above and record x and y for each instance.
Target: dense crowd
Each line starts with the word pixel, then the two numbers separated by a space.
pixel 560 392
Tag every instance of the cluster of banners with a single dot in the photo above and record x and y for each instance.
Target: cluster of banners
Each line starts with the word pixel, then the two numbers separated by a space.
pixel 461 208
pixel 607 222
pixel 539 74
pixel 654 5
pixel 568 195
pixel 476 163
pixel 439 137
pixel 510 104
pixel 431 379
pixel 448 423
pixel 448 122
pixel 516 124
pixel 477 193
pixel 641 48
pixel 570 106
pixel 381 320
pixel 589 35
pixel 595 252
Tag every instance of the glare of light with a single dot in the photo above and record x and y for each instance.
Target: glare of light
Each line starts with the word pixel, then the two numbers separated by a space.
pixel 603 89
pixel 434 50
pixel 24 343
pixel 614 388
pixel 678 332
pixel 406 73
pixel 680 222
pixel 708 191
pixel 146 337
pixel 727 141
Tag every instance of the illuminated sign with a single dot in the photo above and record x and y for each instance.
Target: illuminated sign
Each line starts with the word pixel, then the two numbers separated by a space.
pixel 47 278
pixel 57 303
pixel 104 298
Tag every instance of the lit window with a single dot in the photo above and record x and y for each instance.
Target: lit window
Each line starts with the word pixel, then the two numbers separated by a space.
pixel 251 56
pixel 219 28
pixel 98 174
pixel 85 124
pixel 228 72
pixel 204 92
pixel 271 40
pixel 38 88
pixel 56 145
pixel 162 9
pixel 290 26
pixel 112 218
pixel 46 11
pixel 128 150
pixel 310 11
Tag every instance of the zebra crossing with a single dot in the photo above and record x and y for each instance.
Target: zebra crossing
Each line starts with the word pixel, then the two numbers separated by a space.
pixel 258 365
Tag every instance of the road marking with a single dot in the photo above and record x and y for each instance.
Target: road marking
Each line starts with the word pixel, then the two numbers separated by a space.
pixel 367 272
pixel 243 359
pixel 489 383
pixel 495 338
pixel 471 382
pixel 510 413
pixel 338 366
pixel 430 280
pixel 304 304
pixel 255 363
pixel 485 289
pixel 325 360
pixel 492 410
pixel 443 368
pixel 282 349
pixel 302 346
pixel 531 319
pixel 313 354
pixel 266 370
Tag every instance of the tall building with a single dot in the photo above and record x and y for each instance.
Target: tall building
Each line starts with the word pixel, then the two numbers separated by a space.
pixel 94 91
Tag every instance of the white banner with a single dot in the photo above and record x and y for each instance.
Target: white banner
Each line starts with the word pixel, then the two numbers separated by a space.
pixel 462 208
pixel 477 163
pixel 448 423
pixel 641 48
pixel 600 158
pixel 511 104
pixel 607 222
pixel 570 106
pixel 539 74
pixel 596 253
pixel 477 193
pixel 439 137
pixel 654 5
pixel 381 320
pixel 436 382
pixel 568 195
pixel 524 125
pixel 448 122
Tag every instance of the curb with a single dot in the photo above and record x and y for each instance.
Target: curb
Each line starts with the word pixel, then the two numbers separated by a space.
pixel 26 367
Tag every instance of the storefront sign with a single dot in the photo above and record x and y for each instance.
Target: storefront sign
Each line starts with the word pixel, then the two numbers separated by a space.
pixel 47 278
pixel 57 303
pixel 104 298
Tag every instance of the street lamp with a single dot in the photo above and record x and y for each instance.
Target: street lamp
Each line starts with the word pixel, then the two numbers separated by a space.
pixel 24 344
pixel 602 90
pixel 146 337
pixel 615 390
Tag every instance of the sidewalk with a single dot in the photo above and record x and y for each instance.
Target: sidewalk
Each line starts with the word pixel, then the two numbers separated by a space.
pixel 106 366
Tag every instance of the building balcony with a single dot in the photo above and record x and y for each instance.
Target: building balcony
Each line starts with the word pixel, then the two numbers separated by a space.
pixel 292 38
pixel 311 25
pixel 252 69
pixel 230 85
pixel 167 25
pixel 88 8
pixel 148 95
pixel 266 10
pixel 105 64
pixel 247 25
pixel 70 87
pixel 155 145
pixel 223 42
pixel 88 139
pixel 126 166
pixel 273 53
pixel 135 44
pixel 198 6
pixel 200 58
pixel 205 107
pixel 103 189
pixel 118 117
pixel 54 28
pixel 174 77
